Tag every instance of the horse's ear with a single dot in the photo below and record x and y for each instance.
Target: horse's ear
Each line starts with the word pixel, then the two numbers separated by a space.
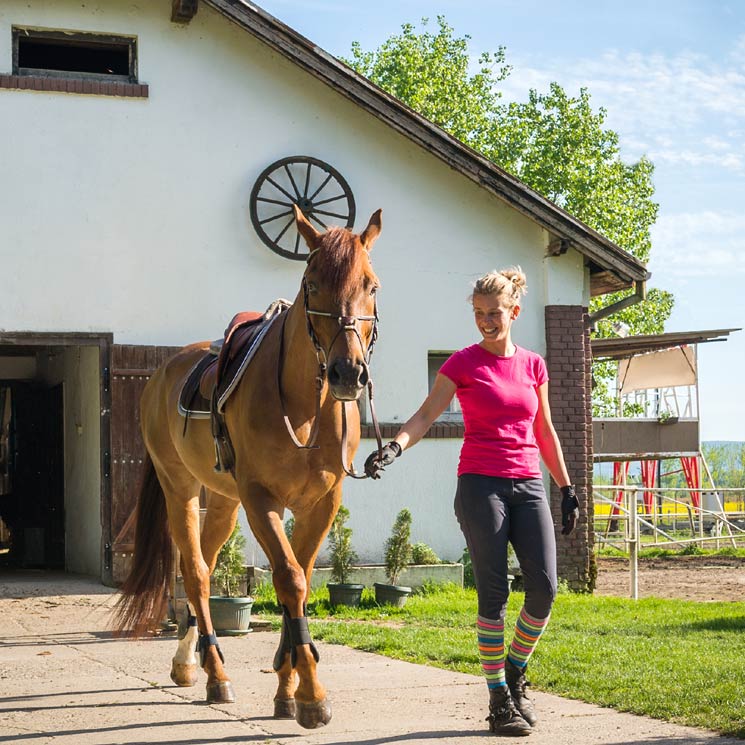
pixel 305 229
pixel 370 234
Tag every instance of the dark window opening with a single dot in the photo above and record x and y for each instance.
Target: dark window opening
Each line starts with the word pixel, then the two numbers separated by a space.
pixel 81 55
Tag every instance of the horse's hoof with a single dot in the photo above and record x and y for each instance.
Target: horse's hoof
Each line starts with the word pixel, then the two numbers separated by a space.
pixel 313 715
pixel 220 693
pixel 183 675
pixel 284 708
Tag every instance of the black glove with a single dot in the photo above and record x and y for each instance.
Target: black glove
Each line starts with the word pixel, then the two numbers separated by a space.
pixel 377 462
pixel 569 509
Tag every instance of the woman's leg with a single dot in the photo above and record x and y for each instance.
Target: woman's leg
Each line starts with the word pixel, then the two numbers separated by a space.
pixel 480 506
pixel 532 536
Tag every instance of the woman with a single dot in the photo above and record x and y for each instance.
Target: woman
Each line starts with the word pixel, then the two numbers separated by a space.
pixel 503 393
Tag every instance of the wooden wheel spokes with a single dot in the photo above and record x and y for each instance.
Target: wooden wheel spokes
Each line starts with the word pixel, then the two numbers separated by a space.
pixel 318 189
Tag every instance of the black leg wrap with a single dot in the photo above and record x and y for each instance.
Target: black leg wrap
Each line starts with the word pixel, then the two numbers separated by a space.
pixel 284 642
pixel 186 623
pixel 294 633
pixel 205 642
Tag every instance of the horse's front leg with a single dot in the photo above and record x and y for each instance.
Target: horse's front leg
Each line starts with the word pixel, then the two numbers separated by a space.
pixel 296 656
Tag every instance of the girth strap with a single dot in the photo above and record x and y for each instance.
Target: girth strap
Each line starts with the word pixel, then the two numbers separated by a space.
pixel 294 633
pixel 204 643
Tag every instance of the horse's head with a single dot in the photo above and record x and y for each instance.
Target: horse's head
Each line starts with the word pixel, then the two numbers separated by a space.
pixel 339 288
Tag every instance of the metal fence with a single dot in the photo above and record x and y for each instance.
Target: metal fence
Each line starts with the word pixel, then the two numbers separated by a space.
pixel 632 517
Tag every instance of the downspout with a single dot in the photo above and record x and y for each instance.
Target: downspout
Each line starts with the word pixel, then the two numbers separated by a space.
pixel 640 293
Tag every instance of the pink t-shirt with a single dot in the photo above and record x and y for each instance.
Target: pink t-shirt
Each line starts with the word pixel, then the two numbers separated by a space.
pixel 499 399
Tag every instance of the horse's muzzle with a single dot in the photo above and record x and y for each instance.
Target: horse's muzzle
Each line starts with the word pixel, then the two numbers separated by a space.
pixel 347 379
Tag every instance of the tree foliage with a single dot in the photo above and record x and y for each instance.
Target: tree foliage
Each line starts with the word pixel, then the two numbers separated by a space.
pixel 554 142
pixel 230 567
pixel 398 547
pixel 342 554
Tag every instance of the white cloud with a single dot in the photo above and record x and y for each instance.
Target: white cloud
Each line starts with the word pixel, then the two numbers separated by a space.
pixel 701 244
pixel 683 108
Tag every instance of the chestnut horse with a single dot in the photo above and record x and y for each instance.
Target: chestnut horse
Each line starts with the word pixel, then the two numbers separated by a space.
pixel 312 361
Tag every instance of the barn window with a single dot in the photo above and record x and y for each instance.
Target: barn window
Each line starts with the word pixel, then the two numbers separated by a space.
pixel 37 52
pixel 435 360
pixel 74 62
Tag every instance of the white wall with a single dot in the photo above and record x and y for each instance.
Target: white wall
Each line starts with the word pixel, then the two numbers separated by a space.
pixel 131 216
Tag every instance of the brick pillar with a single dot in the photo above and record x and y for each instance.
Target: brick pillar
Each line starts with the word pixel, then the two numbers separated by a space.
pixel 569 360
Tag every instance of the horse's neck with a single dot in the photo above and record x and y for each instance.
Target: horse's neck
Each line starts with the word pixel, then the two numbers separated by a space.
pixel 300 367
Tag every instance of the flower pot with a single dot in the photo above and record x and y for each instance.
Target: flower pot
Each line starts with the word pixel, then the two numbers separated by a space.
pixel 342 593
pixel 231 616
pixel 395 595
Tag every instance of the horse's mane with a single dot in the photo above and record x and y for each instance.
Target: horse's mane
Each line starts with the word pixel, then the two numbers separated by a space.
pixel 345 262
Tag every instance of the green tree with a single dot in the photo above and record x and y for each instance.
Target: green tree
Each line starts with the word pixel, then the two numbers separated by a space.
pixel 343 555
pixel 555 143
pixel 430 73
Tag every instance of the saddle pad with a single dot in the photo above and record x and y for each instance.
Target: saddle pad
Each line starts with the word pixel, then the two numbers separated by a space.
pixel 191 402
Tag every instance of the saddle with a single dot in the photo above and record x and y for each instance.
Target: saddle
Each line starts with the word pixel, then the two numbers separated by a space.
pixel 217 373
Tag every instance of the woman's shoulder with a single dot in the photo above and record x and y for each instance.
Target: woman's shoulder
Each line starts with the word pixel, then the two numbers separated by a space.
pixel 535 363
pixel 464 354
pixel 528 354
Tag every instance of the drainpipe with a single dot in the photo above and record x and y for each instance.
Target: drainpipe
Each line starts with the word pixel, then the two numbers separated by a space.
pixel 640 293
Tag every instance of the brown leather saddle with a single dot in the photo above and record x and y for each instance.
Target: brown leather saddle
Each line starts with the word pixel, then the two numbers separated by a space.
pixel 217 373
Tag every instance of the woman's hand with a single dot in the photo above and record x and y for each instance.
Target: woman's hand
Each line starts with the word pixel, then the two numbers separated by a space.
pixel 569 509
pixel 378 460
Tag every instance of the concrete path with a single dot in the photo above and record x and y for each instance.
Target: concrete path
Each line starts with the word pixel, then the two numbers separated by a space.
pixel 65 680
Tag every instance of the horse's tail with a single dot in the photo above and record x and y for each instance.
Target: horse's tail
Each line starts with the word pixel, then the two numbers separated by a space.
pixel 144 594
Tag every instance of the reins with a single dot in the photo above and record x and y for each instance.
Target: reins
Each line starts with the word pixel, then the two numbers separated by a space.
pixel 346 323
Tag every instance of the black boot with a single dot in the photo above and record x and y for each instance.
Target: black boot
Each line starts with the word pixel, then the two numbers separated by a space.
pixel 517 684
pixel 504 719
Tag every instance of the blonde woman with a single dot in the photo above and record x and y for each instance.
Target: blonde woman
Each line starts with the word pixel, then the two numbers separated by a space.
pixel 503 393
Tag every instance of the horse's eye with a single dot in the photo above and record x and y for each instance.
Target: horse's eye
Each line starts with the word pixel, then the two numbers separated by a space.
pixel 373 290
pixel 312 287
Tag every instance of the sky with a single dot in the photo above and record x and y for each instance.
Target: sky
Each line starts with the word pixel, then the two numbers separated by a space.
pixel 671 76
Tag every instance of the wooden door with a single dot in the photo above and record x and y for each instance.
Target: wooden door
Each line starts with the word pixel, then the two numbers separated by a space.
pixel 131 367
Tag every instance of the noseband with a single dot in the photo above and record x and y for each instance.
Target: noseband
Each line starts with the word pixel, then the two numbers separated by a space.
pixel 346 323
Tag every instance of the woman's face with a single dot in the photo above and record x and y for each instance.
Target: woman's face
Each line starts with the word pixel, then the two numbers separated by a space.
pixel 493 317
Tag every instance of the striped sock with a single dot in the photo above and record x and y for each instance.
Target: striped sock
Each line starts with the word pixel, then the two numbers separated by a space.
pixel 528 631
pixel 491 650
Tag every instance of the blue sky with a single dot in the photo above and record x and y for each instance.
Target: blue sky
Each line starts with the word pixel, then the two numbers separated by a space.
pixel 671 76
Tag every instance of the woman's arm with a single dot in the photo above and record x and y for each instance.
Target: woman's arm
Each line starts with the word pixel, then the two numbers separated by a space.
pixel 548 441
pixel 437 401
pixel 415 428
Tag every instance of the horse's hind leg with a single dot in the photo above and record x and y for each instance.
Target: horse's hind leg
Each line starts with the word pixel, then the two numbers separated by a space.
pixel 219 521
pixel 182 501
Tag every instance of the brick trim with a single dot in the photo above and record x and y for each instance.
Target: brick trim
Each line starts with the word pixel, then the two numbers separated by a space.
pixel 81 86
pixel 438 431
pixel 569 360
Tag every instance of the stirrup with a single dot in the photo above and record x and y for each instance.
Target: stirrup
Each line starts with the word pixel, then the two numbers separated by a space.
pixel 206 641
pixel 294 633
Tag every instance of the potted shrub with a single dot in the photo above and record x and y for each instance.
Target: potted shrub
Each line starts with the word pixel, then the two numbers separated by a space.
pixel 397 556
pixel 343 556
pixel 231 609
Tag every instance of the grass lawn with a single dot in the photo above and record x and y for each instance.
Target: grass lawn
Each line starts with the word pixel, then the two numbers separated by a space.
pixel 670 659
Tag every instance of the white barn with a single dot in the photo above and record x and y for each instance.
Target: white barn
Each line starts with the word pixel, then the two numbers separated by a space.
pixel 131 137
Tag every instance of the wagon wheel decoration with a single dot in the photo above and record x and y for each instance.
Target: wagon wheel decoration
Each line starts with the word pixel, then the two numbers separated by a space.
pixel 318 189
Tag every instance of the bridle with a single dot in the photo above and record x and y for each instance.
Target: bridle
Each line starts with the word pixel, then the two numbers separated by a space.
pixel 346 324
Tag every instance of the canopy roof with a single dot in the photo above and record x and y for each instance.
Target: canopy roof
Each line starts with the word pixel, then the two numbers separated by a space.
pixel 617 348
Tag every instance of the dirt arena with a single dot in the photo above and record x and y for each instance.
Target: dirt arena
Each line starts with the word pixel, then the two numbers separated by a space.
pixel 700 578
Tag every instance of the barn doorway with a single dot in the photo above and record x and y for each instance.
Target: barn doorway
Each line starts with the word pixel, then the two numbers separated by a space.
pixel 53 416
pixel 32 486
